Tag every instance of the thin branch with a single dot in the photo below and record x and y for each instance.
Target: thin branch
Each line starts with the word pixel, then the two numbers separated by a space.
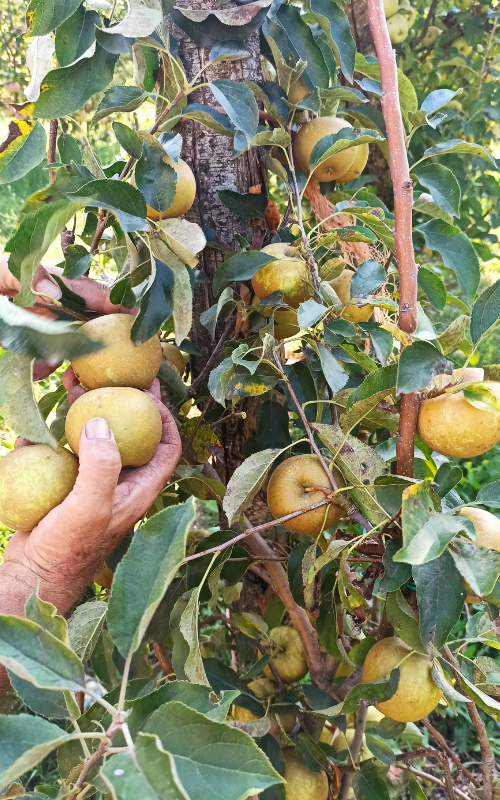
pixel 164 660
pixel 208 366
pixel 427 777
pixel 428 22
pixel 485 57
pixel 51 152
pixel 355 748
pixel 277 677
pixel 442 743
pixel 311 263
pixel 482 737
pixel 262 527
pixel 58 307
pixel 97 756
pixel 403 202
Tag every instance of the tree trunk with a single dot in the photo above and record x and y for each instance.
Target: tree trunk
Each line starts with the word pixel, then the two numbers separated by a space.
pixel 210 157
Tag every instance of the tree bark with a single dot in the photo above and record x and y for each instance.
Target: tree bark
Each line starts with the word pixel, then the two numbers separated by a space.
pixel 210 157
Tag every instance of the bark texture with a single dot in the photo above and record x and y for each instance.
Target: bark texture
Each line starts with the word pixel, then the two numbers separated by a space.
pixel 210 157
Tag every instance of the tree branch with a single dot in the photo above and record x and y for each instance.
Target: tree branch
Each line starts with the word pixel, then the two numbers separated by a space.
pixel 403 201
pixel 442 743
pixel 482 736
pixel 51 152
pixel 355 748
pixel 164 660
pixel 208 366
pixel 427 777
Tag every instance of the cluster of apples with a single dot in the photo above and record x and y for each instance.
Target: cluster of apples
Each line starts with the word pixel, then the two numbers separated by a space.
pixel 400 17
pixel 35 479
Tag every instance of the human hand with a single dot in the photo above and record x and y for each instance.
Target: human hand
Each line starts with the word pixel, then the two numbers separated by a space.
pixel 95 294
pixel 67 547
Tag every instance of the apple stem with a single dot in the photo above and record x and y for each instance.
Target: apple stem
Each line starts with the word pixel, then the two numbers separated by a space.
pixel 403 232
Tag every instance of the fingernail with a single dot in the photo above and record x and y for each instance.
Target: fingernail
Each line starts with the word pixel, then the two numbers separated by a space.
pixel 97 428
pixel 48 287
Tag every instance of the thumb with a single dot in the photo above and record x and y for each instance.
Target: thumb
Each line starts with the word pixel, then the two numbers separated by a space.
pixel 91 501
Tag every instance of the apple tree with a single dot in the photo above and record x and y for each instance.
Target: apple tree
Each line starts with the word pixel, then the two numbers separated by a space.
pixel 309 605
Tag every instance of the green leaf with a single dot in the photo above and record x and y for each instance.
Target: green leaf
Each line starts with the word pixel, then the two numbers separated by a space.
pixel 222 678
pixel 395 575
pixel 417 366
pixel 368 277
pixel 128 139
pixel 78 261
pixel 443 186
pixel 120 98
pixel 389 728
pixel 407 95
pixel 433 286
pixel 182 294
pixel 37 656
pixel 67 89
pixel 155 307
pixel 44 16
pixel 17 403
pixel 436 100
pixel 46 340
pixel 238 102
pixel 250 206
pixel 479 396
pixel 246 481
pixel 380 750
pixel 156 179
pixel 359 464
pixel 490 495
pixel 304 47
pixel 84 627
pixel 440 598
pixel 337 142
pixel 69 149
pixel 43 702
pixel 209 118
pixel 485 312
pixel 460 146
pixel 369 784
pixel 22 154
pixel 32 239
pixel 190 694
pixel 26 740
pixel 335 375
pixel 335 25
pixel 45 614
pixel 381 339
pixel 477 565
pixel 424 204
pixel 144 574
pixel 188 626
pixel 453 337
pixel 200 748
pixel 456 251
pixel 431 540
pixel 404 620
pixel 380 690
pixel 76 35
pixel 446 478
pixel 240 267
pixel 375 387
pixel 150 776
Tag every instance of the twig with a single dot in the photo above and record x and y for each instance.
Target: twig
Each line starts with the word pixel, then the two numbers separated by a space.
pixel 390 521
pixel 311 263
pixel 262 527
pixel 321 665
pixel 208 366
pixel 428 21
pixel 75 314
pixel 447 778
pixel 223 420
pixel 484 745
pixel 355 748
pixel 427 777
pixel 97 756
pixel 164 660
pixel 51 151
pixel 485 57
pixel 403 201
pixel 277 677
pixel 442 742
